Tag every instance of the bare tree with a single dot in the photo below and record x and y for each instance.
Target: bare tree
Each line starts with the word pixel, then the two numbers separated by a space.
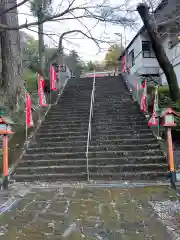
pixel 159 51
pixel 41 9
pixel 13 83
pixel 88 10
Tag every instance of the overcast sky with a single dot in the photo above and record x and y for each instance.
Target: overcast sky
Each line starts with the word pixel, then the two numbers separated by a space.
pixel 86 48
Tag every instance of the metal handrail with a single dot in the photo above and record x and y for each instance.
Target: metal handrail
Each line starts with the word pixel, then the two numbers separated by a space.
pixel 89 126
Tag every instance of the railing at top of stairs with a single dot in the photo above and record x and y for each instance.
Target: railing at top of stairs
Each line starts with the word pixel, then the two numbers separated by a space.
pixel 89 126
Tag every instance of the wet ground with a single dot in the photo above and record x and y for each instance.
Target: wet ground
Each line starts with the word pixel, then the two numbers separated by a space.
pixel 81 211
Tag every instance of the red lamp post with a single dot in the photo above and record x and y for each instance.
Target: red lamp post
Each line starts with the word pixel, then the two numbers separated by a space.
pixel 168 121
pixel 5 130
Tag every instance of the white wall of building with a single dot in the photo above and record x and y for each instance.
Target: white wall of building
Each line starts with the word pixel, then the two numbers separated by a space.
pixel 150 65
pixel 174 57
pixel 136 46
pixel 142 65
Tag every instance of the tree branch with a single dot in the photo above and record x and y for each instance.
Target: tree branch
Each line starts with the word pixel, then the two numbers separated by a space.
pixel 35 23
pixel 13 7
pixel 88 30
pixel 70 10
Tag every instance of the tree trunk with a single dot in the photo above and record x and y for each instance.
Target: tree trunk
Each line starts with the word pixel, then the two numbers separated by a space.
pixel 12 84
pixel 41 47
pixel 159 51
pixel 41 37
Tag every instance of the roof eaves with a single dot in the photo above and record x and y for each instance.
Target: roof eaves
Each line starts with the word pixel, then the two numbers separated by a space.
pixel 139 32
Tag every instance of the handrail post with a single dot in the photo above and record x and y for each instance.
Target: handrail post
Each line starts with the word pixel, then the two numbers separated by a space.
pixel 89 126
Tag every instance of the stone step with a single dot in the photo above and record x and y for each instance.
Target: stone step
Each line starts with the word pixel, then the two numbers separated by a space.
pixel 94 125
pixel 46 123
pixel 73 109
pixel 74 142
pixel 128 141
pixel 117 117
pixel 98 154
pixel 112 114
pixel 121 102
pixel 76 94
pixel 135 153
pixel 93 128
pixel 94 138
pixel 94 132
pixel 126 176
pixel 114 120
pixel 111 96
pixel 124 147
pixel 99 94
pixel 45 143
pixel 114 107
pixel 60 149
pixel 95 161
pixel 72 169
pixel 66 117
pixel 76 85
pixel 74 98
pixel 62 134
pixel 64 125
pixel 118 136
pixel 128 160
pixel 74 91
pixel 118 112
pixel 56 149
pixel 50 177
pixel 118 127
pixel 80 104
pixel 120 131
pixel 54 162
pixel 108 110
pixel 117 122
pixel 60 138
pixel 64 130
pixel 45 156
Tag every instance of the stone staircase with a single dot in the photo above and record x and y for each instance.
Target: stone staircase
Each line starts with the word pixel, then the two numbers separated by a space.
pixel 58 150
pixel 122 145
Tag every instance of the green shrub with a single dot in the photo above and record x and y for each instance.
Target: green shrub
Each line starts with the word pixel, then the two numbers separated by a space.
pixel 31 80
pixel 164 89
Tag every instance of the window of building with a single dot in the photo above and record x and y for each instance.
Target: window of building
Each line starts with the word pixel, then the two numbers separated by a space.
pixel 131 58
pixel 147 50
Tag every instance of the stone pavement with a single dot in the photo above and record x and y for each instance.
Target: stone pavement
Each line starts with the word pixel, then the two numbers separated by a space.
pixel 81 211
